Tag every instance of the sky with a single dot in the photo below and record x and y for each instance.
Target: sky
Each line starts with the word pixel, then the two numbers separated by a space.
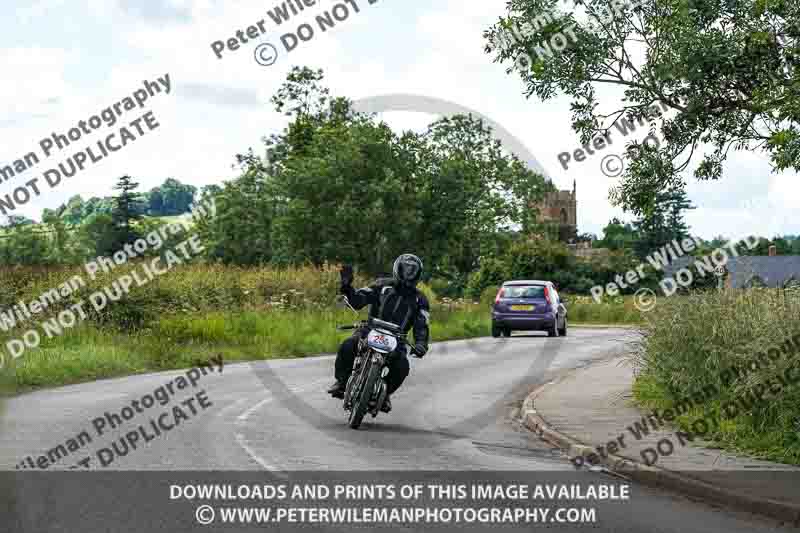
pixel 63 61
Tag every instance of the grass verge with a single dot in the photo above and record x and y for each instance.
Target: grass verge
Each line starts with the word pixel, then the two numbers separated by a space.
pixel 197 312
pixel 727 352
pixel 616 311
pixel 88 352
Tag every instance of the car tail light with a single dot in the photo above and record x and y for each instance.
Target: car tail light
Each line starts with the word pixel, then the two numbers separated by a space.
pixel 499 295
pixel 547 294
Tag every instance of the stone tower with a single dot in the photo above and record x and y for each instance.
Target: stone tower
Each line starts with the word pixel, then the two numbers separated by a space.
pixel 560 209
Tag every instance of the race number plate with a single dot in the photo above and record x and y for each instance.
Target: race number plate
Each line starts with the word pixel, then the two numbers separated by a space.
pixel 522 307
pixel 381 341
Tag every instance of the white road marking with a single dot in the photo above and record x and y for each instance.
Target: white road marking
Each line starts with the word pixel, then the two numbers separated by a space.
pixel 240 440
pixel 227 408
pixel 244 416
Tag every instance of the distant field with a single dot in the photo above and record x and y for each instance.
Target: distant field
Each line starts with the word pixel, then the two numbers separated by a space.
pixel 174 218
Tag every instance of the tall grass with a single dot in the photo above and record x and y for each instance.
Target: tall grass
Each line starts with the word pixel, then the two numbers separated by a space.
pixel 689 341
pixel 610 311
pixel 197 311
pixel 191 315
pixel 90 352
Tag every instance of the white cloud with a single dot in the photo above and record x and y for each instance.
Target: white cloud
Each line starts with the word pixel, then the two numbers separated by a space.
pixel 38 78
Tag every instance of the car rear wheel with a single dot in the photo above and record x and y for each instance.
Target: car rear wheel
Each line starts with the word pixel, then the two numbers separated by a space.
pixel 563 331
pixel 507 332
pixel 495 330
pixel 553 330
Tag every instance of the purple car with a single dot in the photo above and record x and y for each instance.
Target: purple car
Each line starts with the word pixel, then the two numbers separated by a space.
pixel 529 305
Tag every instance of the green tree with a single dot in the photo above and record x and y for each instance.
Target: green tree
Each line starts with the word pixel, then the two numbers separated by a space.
pixel 348 188
pixel 618 235
pixel 491 273
pixel 240 231
pixel 540 259
pixel 73 211
pixel 726 69
pixel 127 210
pixel 98 235
pixel 23 243
pixel 663 224
pixel 61 242
pixel 340 186
pixel 795 250
pixel 341 197
pixel 171 198
pixel 96 205
pixel 783 246
pixel 474 191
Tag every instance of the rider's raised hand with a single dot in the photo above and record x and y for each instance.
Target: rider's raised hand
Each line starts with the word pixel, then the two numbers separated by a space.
pixel 346 273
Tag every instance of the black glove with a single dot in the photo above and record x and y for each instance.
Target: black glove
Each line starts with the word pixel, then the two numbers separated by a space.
pixel 419 353
pixel 346 273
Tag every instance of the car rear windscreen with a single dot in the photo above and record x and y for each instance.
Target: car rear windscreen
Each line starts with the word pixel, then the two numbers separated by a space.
pixel 524 291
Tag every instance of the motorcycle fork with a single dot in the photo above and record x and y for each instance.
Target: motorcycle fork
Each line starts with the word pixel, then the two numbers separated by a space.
pixel 358 375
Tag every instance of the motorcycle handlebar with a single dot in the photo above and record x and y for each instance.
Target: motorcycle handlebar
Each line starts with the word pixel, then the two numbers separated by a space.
pixel 401 336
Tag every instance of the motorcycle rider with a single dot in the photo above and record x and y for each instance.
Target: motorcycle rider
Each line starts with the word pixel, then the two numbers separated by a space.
pixel 396 300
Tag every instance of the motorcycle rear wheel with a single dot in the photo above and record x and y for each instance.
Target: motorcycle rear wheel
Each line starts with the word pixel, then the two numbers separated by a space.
pixel 364 394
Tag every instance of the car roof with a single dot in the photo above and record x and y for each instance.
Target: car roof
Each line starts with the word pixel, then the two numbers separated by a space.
pixel 526 282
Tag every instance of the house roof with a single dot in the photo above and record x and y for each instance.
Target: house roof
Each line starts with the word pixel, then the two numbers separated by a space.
pixel 677 264
pixel 775 271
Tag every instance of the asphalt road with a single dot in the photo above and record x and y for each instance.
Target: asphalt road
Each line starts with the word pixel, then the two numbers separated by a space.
pixel 457 411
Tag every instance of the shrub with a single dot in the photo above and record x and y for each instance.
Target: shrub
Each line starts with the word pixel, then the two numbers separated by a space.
pixel 428 292
pixel 488 295
pixel 450 288
pixel 492 273
pixel 540 259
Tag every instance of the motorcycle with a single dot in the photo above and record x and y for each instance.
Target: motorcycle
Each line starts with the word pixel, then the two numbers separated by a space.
pixel 366 389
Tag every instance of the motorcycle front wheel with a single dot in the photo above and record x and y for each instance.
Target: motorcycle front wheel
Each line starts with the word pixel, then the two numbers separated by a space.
pixel 364 393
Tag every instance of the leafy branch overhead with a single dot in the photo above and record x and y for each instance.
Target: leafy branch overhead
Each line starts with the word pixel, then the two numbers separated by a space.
pixel 726 69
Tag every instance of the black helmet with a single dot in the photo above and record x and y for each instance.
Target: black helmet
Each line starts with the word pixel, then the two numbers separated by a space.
pixel 407 270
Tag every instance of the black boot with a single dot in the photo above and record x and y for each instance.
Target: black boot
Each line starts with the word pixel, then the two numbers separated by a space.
pixel 387 405
pixel 337 389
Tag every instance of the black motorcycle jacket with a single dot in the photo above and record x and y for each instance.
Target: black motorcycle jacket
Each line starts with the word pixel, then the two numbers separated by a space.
pixel 390 302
